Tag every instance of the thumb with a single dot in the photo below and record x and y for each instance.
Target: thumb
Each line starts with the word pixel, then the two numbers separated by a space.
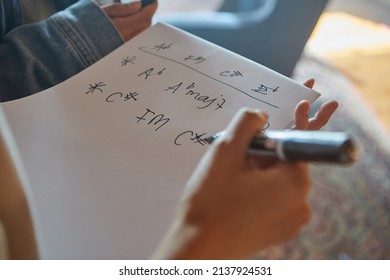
pixel 242 128
pixel 122 10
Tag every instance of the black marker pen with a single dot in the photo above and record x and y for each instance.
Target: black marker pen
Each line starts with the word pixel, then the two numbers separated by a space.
pixel 295 145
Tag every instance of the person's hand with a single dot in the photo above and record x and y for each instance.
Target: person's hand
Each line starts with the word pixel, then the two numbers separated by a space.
pixel 302 122
pixel 320 119
pixel 130 19
pixel 233 210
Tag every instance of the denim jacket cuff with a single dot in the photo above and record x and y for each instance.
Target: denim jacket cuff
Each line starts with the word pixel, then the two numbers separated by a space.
pixel 88 30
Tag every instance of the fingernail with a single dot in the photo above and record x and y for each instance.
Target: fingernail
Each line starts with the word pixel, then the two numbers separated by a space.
pixel 264 115
pixel 310 82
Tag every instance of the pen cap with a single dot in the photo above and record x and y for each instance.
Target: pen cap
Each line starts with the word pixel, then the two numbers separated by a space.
pixel 317 146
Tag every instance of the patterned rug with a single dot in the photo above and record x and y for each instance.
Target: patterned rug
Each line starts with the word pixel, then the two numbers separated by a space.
pixel 351 205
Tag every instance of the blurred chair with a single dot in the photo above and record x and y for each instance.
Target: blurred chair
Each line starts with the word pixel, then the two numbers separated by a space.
pixel 270 32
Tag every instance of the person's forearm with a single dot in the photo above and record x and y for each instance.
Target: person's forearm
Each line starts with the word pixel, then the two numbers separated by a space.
pixel 176 242
pixel 185 242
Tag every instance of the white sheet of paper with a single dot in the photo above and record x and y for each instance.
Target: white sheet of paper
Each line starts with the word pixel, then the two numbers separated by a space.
pixel 108 151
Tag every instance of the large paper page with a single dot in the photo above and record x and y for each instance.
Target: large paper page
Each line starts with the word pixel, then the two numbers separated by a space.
pixel 108 151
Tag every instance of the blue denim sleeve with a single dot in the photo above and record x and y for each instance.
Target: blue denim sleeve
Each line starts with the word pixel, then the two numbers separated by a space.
pixel 38 56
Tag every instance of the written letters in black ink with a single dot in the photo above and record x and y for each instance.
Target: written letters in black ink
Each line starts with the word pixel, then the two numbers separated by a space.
pixel 231 74
pixel 128 60
pixel 149 117
pixel 204 100
pixel 195 59
pixel 151 72
pixel 265 89
pixel 95 87
pixel 112 97
pixel 119 96
pixel 191 136
pixel 163 46
pixel 154 119
pixel 262 89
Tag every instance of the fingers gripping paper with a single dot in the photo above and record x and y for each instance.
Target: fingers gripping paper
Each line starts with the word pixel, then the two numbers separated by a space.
pixel 108 152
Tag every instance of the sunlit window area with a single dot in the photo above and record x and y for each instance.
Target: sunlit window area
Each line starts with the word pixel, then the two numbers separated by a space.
pixel 360 48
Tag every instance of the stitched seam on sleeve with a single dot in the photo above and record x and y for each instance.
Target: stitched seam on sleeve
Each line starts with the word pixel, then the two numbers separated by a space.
pixel 75 39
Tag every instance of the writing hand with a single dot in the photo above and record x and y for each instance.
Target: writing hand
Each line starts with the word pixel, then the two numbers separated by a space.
pixel 232 210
